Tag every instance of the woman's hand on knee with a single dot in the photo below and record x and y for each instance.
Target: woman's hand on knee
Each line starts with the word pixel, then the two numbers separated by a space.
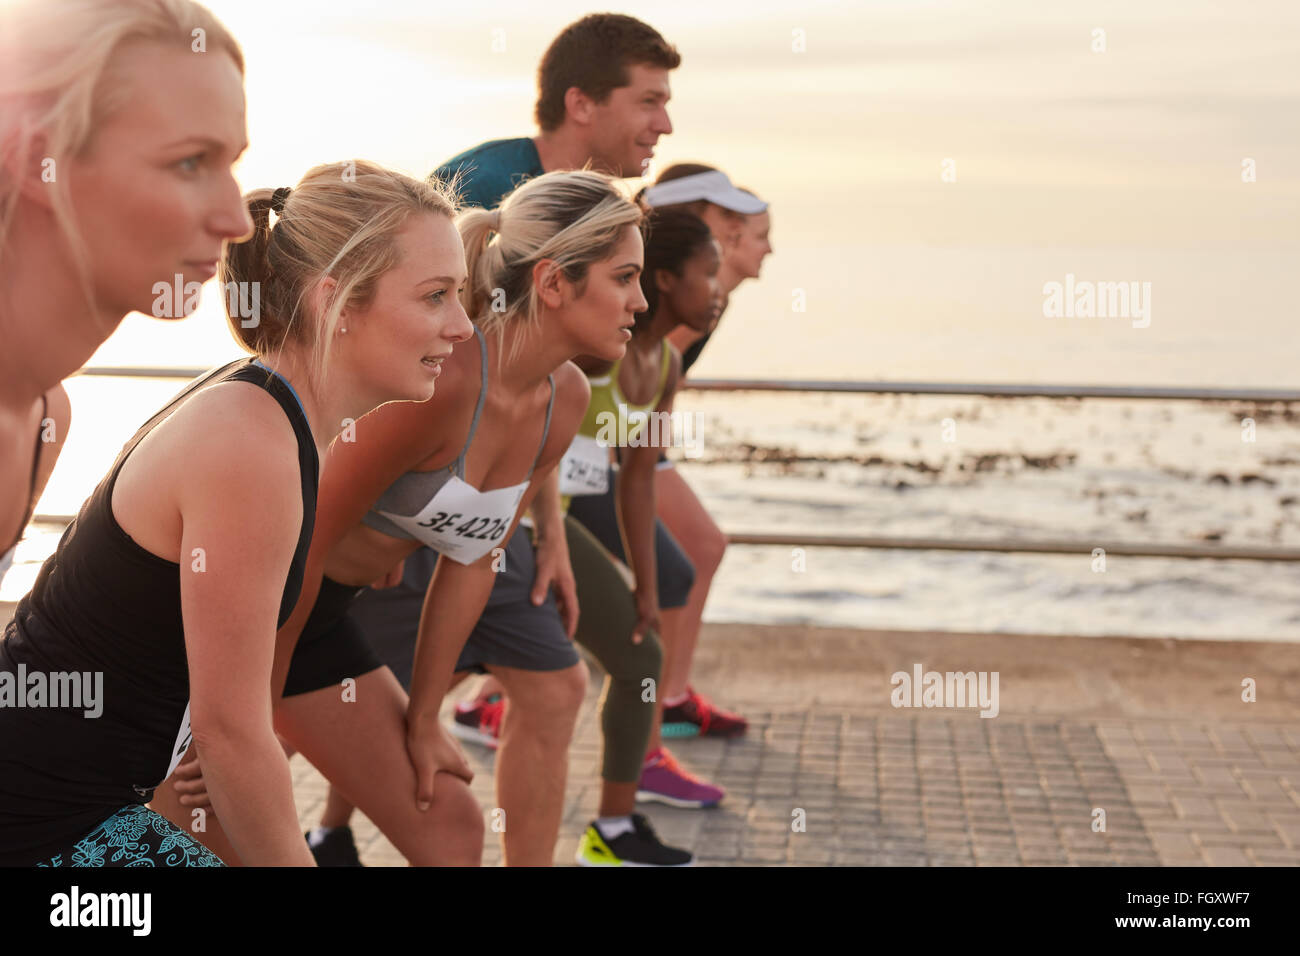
pixel 189 783
pixel 432 749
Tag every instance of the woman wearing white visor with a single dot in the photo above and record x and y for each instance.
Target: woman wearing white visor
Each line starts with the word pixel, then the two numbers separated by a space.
pixel 733 215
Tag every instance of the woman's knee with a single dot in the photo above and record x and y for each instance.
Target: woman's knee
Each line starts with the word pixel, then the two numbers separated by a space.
pixel 549 699
pixel 639 661
pixel 454 804
pixel 571 689
pixel 707 549
pixel 452 827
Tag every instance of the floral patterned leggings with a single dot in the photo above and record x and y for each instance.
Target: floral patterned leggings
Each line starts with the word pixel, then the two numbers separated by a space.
pixel 136 836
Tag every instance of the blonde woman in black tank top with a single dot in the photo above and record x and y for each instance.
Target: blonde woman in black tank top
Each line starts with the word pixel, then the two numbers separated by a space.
pixel 179 569
pixel 134 202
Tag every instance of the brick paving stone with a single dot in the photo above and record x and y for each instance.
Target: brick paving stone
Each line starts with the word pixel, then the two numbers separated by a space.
pixel 1245 816
pixel 941 797
pixel 1194 807
pixel 1262 841
pixel 1281 760
pixel 1275 857
pixel 1266 788
pixel 1217 779
pixel 1227 856
pixel 1191 736
pixel 1229 738
pixel 1289 832
pixel 1266 737
pixel 1174 846
pixel 812 854
pixel 1149 796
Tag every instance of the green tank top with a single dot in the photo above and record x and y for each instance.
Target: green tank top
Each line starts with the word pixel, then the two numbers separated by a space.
pixel 609 405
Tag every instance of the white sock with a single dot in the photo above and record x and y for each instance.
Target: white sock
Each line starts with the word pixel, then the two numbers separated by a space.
pixel 674 701
pixel 611 827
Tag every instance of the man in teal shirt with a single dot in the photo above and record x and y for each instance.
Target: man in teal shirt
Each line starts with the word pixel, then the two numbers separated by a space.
pixel 602 99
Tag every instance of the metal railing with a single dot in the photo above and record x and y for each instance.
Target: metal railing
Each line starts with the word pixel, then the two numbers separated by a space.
pixel 1045 546
pixel 879 388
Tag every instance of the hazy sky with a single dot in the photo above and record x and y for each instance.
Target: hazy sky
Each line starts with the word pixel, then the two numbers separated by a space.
pixel 1126 161
pixel 1012 92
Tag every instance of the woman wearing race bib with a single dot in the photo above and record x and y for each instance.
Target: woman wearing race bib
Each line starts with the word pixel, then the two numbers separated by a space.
pixel 100 105
pixel 171 582
pixel 551 274
pixel 631 409
pixel 739 221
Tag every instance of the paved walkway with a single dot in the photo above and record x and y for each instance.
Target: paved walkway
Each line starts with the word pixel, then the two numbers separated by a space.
pixel 1153 733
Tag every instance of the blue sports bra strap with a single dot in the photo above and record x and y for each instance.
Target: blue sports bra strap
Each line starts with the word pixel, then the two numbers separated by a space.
pixel 546 429
pixel 292 391
pixel 459 465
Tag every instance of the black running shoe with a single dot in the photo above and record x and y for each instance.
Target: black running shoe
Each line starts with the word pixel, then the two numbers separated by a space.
pixel 637 847
pixel 337 849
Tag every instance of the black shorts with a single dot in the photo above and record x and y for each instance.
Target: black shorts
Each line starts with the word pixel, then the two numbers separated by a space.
pixel 511 632
pixel 332 646
pixel 675 572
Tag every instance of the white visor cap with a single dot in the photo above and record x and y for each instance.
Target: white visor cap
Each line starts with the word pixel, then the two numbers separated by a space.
pixel 713 186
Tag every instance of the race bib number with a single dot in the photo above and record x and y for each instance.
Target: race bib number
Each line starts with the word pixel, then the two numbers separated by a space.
pixel 584 469
pixel 462 522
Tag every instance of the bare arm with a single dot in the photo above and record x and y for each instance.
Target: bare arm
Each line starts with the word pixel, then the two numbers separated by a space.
pixel 232 581
pixel 452 606
pixel 635 501
pixel 455 600
pixel 554 569
pixel 358 467
pixel 458 593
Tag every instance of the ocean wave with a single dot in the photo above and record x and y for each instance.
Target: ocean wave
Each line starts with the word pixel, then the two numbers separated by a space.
pixel 1104 588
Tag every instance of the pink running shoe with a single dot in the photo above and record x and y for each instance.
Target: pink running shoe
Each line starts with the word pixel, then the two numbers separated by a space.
pixel 664 780
pixel 479 721
pixel 697 717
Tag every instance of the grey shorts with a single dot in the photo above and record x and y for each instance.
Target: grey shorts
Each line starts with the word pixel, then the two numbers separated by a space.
pixel 511 632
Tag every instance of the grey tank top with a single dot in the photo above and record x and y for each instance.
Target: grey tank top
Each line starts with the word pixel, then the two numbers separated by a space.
pixel 409 494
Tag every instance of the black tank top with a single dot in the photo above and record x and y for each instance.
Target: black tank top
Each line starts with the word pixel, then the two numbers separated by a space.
pixel 103 603
pixel 692 353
